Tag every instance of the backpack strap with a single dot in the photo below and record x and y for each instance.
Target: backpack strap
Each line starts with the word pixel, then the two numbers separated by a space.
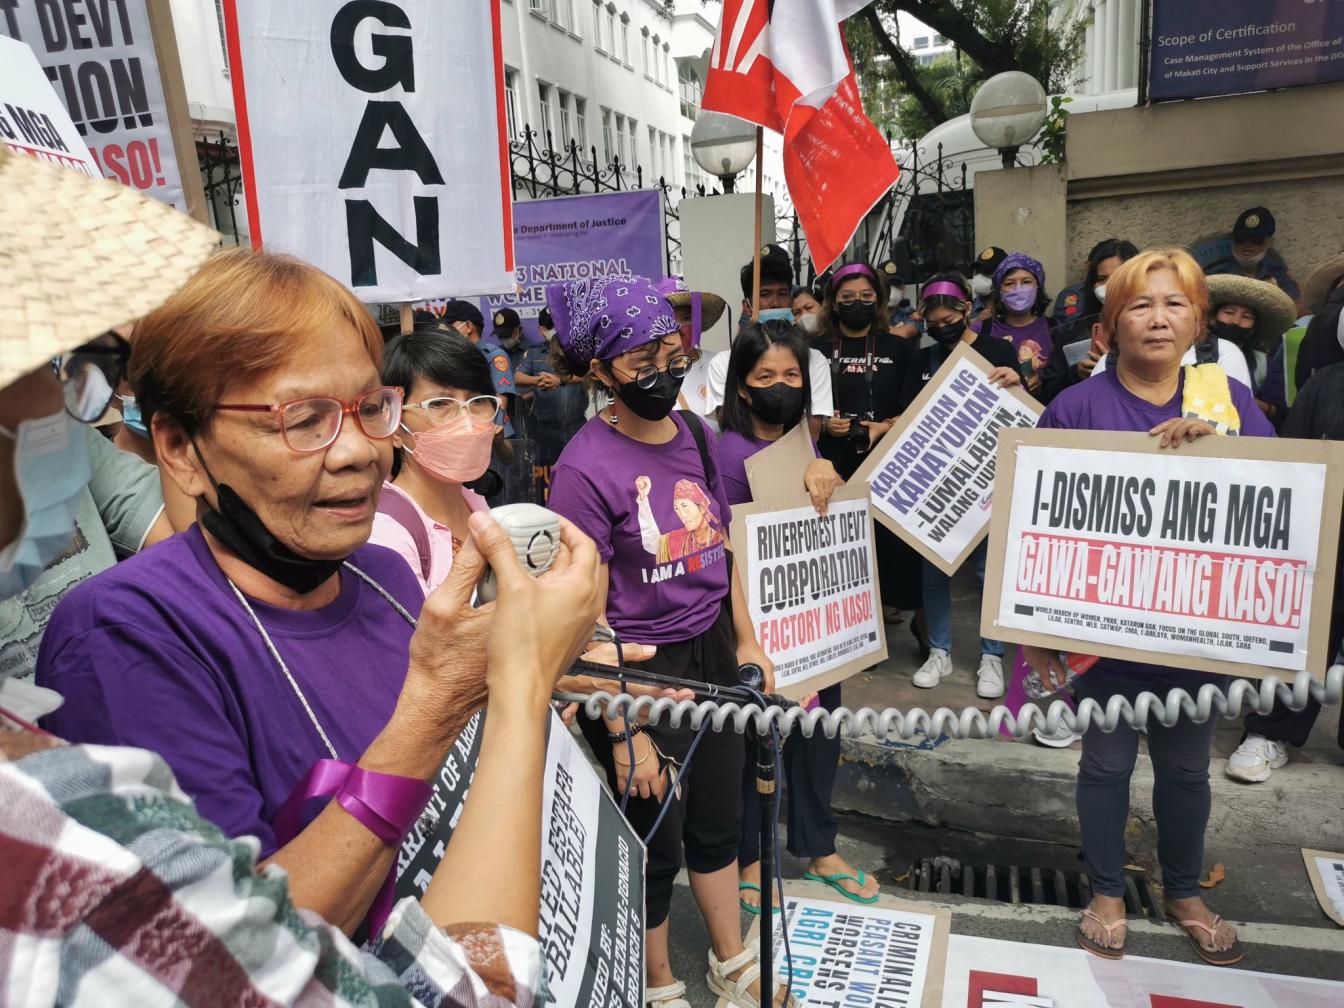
pixel 403 512
pixel 697 427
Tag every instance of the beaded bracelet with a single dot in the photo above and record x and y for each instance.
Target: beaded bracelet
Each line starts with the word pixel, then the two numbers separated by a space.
pixel 634 730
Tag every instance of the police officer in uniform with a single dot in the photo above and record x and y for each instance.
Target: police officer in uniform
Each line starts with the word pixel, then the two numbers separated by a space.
pixel 982 282
pixel 1248 252
pixel 508 335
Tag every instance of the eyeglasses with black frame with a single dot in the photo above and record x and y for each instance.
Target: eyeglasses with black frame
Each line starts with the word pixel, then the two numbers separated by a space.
pixel 677 367
pixel 90 374
pixel 313 424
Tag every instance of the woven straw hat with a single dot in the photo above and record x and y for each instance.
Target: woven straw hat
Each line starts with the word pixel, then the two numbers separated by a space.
pixel 1274 310
pixel 1320 281
pixel 81 255
pixel 711 306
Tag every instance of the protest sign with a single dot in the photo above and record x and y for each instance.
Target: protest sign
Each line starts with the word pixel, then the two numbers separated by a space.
pixel 1218 556
pixel 101 61
pixel 991 973
pixel 384 160
pixel 1327 881
pixel 32 119
pixel 592 870
pixel 1201 49
pixel 811 588
pixel 932 474
pixel 890 954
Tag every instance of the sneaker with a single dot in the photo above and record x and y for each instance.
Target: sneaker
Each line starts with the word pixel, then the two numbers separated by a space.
pixel 933 671
pixel 1255 758
pixel 989 678
pixel 1061 739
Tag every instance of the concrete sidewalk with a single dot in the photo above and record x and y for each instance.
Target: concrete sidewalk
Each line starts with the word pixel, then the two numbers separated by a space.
pixel 1020 789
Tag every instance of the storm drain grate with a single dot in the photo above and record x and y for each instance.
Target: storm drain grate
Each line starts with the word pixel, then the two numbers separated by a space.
pixel 1014 884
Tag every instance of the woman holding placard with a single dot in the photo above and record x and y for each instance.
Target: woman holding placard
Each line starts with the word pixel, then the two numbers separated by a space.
pixel 768 393
pixel 945 304
pixel 1156 307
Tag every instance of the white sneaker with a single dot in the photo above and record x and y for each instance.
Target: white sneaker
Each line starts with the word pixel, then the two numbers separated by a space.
pixel 1061 739
pixel 1255 758
pixel 989 678
pixel 933 671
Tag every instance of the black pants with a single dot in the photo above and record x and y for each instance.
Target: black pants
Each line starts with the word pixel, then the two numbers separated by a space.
pixel 1293 727
pixel 809 769
pixel 705 824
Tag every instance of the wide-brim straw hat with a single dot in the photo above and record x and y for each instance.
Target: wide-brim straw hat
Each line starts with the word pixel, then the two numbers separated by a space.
pixel 80 256
pixel 1274 310
pixel 1321 280
pixel 711 306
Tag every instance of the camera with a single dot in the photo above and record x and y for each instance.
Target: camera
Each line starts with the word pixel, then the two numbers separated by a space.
pixel 858 434
pixel 535 532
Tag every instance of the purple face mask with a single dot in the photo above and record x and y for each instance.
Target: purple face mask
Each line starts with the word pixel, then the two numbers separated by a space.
pixel 1020 299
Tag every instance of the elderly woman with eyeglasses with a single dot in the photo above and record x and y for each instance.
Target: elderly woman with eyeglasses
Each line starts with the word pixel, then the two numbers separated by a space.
pixel 269 636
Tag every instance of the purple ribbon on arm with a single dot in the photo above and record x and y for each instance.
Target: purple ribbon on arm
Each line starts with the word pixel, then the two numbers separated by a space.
pixel 384 804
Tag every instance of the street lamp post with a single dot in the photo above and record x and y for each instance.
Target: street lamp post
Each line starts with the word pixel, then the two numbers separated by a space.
pixel 723 145
pixel 1008 111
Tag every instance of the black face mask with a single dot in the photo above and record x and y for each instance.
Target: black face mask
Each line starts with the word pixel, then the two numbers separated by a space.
pixel 779 403
pixel 653 403
pixel 237 526
pixel 946 335
pixel 856 315
pixel 1233 333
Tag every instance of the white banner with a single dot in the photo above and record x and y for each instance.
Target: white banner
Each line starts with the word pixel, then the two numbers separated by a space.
pixel 853 956
pixel 32 119
pixel 1164 552
pixel 932 477
pixel 373 142
pixel 812 588
pixel 100 60
pixel 988 973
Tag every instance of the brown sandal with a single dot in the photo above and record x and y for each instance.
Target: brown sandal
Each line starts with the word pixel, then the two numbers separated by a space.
pixel 1227 957
pixel 1095 947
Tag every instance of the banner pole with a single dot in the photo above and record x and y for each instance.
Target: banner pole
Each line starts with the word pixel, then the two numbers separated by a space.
pixel 183 141
pixel 756 254
pixel 407 317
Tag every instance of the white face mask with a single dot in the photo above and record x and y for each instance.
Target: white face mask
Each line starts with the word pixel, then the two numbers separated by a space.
pixel 981 285
pixel 809 323
pixel 1252 260
pixel 1100 291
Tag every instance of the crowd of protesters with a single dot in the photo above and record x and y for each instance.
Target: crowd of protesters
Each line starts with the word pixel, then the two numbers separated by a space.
pixel 240 539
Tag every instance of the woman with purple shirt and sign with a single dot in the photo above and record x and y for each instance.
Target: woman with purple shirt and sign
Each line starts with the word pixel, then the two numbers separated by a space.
pixel 646 484
pixel 1156 306
pixel 1020 315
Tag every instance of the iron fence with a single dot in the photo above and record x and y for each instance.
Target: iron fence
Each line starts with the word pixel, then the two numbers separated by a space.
pixel 223 183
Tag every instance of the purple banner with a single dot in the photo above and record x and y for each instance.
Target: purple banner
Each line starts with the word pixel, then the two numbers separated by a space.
pixel 577 237
pixel 1234 46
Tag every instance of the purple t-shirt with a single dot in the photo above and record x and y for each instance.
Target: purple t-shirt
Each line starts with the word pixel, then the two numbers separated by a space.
pixel 157 652
pixel 734 450
pixel 667 572
pixel 1031 341
pixel 1102 403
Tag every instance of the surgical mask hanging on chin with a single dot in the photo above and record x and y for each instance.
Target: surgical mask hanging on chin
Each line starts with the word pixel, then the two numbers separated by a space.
pixel 653 403
pixel 454 453
pixel 238 527
pixel 51 468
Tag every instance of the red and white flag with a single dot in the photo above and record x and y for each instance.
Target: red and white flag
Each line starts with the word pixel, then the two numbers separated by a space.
pixel 783 65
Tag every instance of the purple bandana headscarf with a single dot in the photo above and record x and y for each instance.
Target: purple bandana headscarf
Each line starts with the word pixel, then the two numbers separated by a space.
pixel 604 317
pixel 1020 260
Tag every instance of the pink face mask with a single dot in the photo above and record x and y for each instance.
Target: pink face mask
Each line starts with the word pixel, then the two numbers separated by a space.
pixel 455 453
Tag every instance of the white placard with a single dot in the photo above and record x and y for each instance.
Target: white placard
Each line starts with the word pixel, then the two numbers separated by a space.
pixel 99 60
pixel 1074 353
pixel 1166 552
pixel 373 142
pixel 32 119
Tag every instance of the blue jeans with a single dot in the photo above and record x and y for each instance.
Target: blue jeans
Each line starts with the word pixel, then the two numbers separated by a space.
pixel 938 604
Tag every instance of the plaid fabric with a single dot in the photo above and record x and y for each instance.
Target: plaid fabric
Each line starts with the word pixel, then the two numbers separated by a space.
pixel 116 892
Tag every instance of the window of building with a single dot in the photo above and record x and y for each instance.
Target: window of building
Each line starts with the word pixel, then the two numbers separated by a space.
pixel 620 137
pixel 597 26
pixel 939 39
pixel 608 145
pixel 564 13
pixel 566 123
pixel 921 42
pixel 541 8
pixel 511 101
pixel 611 31
pixel 625 39
pixel 691 90
pixel 544 102
pixel 665 156
pixel 644 42
pixel 223 38
pixel 580 121
pixel 632 158
pixel 653 152
pixel 687 162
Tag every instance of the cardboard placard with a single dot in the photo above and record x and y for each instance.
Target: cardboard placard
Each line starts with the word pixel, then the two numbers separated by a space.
pixel 932 474
pixel 1326 872
pixel 1217 556
pixel 592 870
pixel 775 473
pixel 32 119
pixel 811 587
pixel 892 952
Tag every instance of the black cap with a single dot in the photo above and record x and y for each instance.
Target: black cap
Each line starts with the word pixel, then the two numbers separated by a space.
pixel 1255 224
pixel 891 273
pixel 544 319
pixel 506 319
pixel 776 267
pixel 463 311
pixel 988 260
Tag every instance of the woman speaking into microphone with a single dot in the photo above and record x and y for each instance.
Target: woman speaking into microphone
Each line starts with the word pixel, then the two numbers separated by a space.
pixel 645 483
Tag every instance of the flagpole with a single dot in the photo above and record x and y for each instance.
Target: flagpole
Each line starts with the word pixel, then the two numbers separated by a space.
pixel 756 255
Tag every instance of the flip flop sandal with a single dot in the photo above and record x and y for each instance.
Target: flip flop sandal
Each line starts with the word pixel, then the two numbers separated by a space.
pixel 753 910
pixel 736 992
pixel 670 996
pixel 1095 947
pixel 834 882
pixel 1227 957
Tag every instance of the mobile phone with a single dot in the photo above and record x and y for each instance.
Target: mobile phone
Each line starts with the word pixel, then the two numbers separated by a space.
pixel 1026 368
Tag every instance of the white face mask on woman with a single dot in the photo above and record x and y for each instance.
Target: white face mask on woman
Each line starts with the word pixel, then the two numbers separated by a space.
pixel 809 323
